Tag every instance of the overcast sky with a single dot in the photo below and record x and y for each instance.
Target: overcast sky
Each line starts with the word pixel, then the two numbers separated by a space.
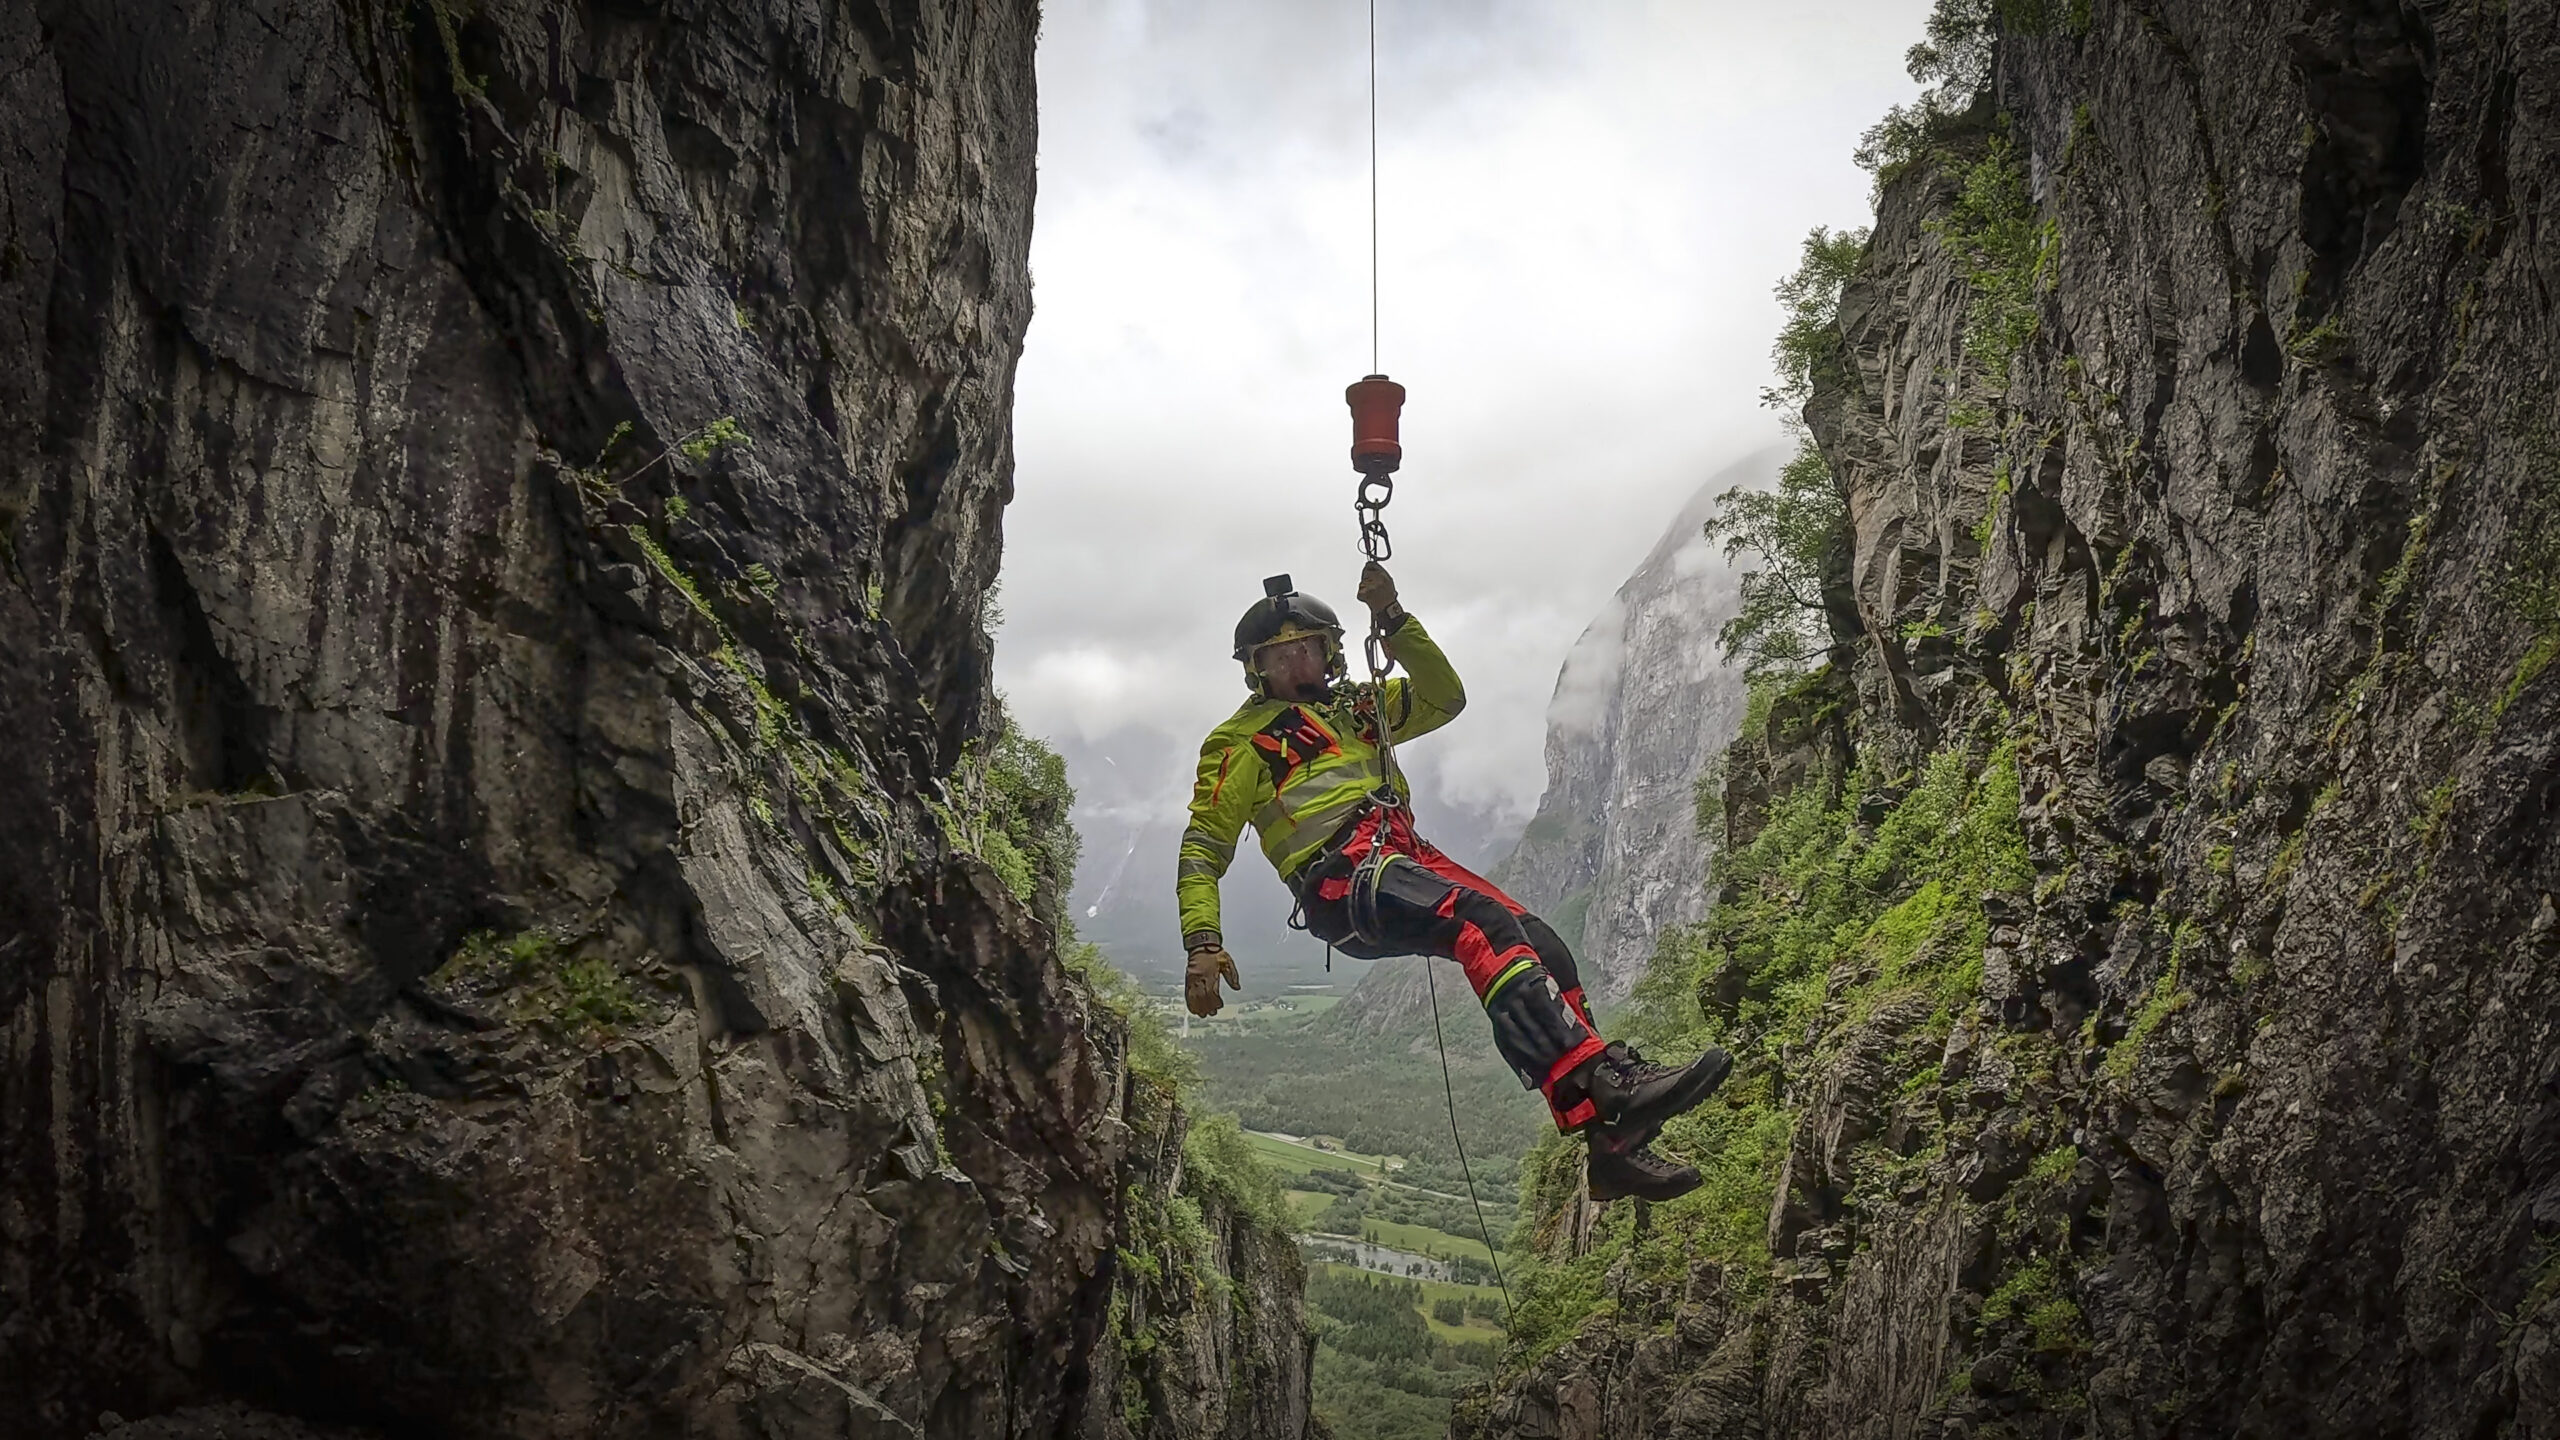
pixel 1584 204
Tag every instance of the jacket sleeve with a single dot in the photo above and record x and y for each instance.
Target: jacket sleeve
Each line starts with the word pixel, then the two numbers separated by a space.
pixel 1428 695
pixel 1222 801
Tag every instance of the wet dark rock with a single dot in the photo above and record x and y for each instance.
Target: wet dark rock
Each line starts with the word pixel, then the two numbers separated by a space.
pixel 495 518
pixel 2246 1130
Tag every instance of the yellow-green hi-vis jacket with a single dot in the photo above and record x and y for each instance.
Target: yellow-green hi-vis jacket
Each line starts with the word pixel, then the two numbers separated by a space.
pixel 1298 770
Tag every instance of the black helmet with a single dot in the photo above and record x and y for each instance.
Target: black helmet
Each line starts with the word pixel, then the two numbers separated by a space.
pixel 1284 614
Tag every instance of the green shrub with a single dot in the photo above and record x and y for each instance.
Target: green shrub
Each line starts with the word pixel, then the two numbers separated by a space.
pixel 1954 62
pixel 1987 526
pixel 1218 1163
pixel 1807 351
pixel 2025 1288
pixel 2165 1000
pixel 2007 250
pixel 1010 805
pixel 1154 1055
pixel 1798 531
pixel 1814 892
pixel 543 980
pixel 701 444
pixel 2054 1166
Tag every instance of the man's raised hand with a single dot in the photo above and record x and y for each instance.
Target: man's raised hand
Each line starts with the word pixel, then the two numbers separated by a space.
pixel 1377 588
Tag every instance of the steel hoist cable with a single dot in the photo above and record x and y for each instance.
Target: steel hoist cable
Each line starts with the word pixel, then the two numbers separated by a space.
pixel 1377 490
pixel 1373 188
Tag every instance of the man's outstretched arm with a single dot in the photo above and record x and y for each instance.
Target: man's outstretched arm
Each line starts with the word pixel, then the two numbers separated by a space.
pixel 1222 802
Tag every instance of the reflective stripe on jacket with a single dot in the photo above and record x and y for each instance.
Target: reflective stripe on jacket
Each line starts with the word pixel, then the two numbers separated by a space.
pixel 1297 770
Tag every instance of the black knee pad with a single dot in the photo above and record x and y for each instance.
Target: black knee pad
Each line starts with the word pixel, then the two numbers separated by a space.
pixel 1552 952
pixel 1532 1026
pixel 1501 928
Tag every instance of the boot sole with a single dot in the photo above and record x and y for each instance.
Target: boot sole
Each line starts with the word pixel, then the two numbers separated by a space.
pixel 1603 1193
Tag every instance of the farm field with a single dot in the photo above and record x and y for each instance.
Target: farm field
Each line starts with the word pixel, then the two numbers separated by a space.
pixel 1287 1010
pixel 1422 1240
pixel 1292 1158
pixel 1477 1327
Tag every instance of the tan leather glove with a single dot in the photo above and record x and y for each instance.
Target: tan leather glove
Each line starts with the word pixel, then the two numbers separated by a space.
pixel 1377 589
pixel 1200 979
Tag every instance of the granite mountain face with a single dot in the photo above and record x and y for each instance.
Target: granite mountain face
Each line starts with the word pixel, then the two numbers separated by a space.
pixel 1614 856
pixel 1644 702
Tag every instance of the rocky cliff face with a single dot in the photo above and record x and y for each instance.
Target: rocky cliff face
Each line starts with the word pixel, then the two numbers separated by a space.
pixel 1615 854
pixel 2141 939
pixel 1208 1331
pixel 498 500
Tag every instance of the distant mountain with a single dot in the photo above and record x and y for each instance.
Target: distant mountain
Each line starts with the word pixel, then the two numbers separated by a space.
pixel 1643 703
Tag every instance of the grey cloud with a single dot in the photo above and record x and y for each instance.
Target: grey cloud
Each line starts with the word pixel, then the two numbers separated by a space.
pixel 1590 674
pixel 1585 206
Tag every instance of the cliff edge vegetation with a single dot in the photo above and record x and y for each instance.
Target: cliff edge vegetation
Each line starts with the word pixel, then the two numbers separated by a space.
pixel 2136 912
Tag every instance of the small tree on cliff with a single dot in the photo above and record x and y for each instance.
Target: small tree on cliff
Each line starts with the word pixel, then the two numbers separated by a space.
pixel 1808 347
pixel 1010 805
pixel 1797 530
pixel 1955 63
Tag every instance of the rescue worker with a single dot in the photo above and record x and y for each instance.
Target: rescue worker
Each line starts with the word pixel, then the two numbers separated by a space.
pixel 1300 762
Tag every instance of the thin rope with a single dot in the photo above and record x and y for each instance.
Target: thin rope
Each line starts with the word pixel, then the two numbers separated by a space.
pixel 1431 982
pixel 1373 187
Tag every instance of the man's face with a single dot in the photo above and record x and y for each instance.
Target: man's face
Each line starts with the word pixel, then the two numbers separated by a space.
pixel 1293 668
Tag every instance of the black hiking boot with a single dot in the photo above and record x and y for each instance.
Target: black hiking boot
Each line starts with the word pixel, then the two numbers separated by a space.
pixel 1634 1096
pixel 1636 1174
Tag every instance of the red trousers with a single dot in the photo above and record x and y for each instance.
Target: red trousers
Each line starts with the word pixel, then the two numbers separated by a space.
pixel 1435 906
